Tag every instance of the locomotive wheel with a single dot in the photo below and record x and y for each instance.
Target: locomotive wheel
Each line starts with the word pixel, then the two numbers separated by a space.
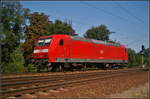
pixel 68 67
pixel 38 69
pixel 57 67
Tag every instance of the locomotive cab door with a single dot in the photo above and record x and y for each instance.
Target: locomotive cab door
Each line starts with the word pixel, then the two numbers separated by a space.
pixel 61 50
pixel 64 48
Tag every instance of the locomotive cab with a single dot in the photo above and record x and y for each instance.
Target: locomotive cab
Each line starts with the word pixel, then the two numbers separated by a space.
pixel 50 48
pixel 40 53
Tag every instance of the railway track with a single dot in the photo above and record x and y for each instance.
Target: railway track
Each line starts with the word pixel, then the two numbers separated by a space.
pixel 28 75
pixel 22 85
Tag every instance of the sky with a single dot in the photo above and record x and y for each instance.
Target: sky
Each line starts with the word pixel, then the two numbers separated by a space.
pixel 128 19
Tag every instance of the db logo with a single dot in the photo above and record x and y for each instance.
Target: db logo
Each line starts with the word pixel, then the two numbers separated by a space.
pixel 101 51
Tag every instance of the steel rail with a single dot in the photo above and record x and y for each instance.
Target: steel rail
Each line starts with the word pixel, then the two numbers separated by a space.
pixel 32 75
pixel 47 79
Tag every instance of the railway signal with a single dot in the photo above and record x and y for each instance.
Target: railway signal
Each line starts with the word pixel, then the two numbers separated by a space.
pixel 142 53
pixel 143 48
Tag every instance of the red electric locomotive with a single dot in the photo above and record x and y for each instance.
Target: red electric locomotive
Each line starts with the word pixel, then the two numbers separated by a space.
pixel 57 50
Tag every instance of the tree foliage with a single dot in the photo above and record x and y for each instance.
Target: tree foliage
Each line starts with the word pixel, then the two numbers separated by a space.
pixel 147 52
pixel 39 23
pixel 135 59
pixel 60 27
pixel 27 48
pixel 16 64
pixel 12 26
pixel 100 33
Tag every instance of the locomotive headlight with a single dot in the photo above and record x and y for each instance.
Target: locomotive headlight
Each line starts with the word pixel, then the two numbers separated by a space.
pixel 36 51
pixel 44 50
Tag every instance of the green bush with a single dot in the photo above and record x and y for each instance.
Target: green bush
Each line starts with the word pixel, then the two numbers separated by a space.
pixel 31 68
pixel 16 64
pixel 135 59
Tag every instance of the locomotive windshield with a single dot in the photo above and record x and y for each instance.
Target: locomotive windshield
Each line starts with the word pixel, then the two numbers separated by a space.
pixel 44 41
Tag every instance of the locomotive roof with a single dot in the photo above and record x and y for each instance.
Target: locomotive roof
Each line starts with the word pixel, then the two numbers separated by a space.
pixel 87 40
pixel 94 41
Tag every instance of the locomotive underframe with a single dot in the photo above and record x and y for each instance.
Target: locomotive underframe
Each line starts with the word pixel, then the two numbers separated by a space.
pixel 90 60
pixel 62 63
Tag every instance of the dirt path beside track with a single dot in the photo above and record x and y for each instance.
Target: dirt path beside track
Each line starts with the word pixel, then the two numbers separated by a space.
pixel 141 91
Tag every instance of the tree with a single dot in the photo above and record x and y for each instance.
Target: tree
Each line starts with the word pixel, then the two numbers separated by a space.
pixel 147 56
pixel 135 59
pixel 27 48
pixel 100 33
pixel 39 23
pixel 60 27
pixel 12 26
pixel 131 59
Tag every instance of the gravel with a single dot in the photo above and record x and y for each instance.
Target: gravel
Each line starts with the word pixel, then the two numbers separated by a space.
pixel 105 88
pixel 141 91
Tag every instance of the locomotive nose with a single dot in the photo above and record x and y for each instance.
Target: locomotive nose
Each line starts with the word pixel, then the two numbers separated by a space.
pixel 40 50
pixel 40 53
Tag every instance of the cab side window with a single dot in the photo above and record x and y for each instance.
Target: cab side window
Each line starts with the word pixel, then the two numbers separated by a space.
pixel 61 42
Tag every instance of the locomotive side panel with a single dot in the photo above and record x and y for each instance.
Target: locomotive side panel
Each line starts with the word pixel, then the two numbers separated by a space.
pixel 64 48
pixel 114 53
pixel 107 52
pixel 96 52
pixel 101 51
pixel 82 50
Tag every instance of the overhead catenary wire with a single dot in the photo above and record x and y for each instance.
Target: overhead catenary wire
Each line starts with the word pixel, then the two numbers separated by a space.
pixel 129 12
pixel 107 12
